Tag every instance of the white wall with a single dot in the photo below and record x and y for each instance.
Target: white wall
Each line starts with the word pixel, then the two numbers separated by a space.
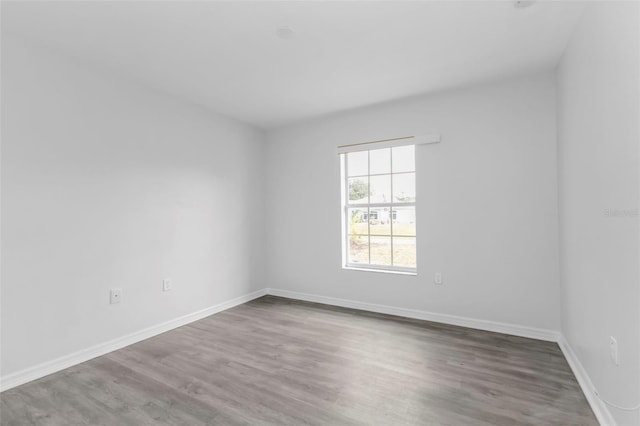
pixel 598 136
pixel 108 184
pixel 487 204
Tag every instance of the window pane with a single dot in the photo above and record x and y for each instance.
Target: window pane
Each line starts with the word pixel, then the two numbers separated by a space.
pixel 404 188
pixel 358 163
pixel 380 221
pixel 380 161
pixel 403 159
pixel 357 219
pixel 380 251
pixel 380 189
pixel 404 251
pixel 358 249
pixel 358 190
pixel 404 221
pixel 381 232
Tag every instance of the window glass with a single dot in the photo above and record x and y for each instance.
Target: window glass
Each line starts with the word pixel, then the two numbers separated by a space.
pixel 404 187
pixel 359 249
pixel 380 161
pixel 358 190
pixel 380 189
pixel 404 251
pixel 358 163
pixel 404 222
pixel 403 159
pixel 380 251
pixel 379 209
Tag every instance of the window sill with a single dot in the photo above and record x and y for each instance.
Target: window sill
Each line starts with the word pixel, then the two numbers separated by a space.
pixel 384 271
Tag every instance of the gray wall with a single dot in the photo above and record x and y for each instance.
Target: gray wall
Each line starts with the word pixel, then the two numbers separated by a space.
pixel 486 204
pixel 106 184
pixel 598 136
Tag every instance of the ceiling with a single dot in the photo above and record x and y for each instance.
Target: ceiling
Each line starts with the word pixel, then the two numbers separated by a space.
pixel 227 57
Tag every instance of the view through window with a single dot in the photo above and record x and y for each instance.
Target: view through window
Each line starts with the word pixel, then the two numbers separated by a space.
pixel 379 208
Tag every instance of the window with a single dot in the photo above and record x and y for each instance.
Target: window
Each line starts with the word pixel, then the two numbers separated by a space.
pixel 379 209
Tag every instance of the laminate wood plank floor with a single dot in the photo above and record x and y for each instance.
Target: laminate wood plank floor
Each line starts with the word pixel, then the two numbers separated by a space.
pixel 276 361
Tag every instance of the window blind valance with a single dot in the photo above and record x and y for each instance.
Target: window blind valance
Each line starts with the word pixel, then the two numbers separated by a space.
pixel 388 143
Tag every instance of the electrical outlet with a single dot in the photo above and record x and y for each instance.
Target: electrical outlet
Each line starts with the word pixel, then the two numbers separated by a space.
pixel 115 294
pixel 437 278
pixel 613 350
pixel 167 285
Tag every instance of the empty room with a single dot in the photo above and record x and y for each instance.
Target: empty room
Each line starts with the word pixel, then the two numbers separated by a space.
pixel 320 213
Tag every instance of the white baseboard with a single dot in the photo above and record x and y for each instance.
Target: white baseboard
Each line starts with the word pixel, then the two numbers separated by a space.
pixel 498 327
pixel 599 408
pixel 49 367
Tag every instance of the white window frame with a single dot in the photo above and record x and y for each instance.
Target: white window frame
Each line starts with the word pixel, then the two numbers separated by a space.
pixel 344 185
